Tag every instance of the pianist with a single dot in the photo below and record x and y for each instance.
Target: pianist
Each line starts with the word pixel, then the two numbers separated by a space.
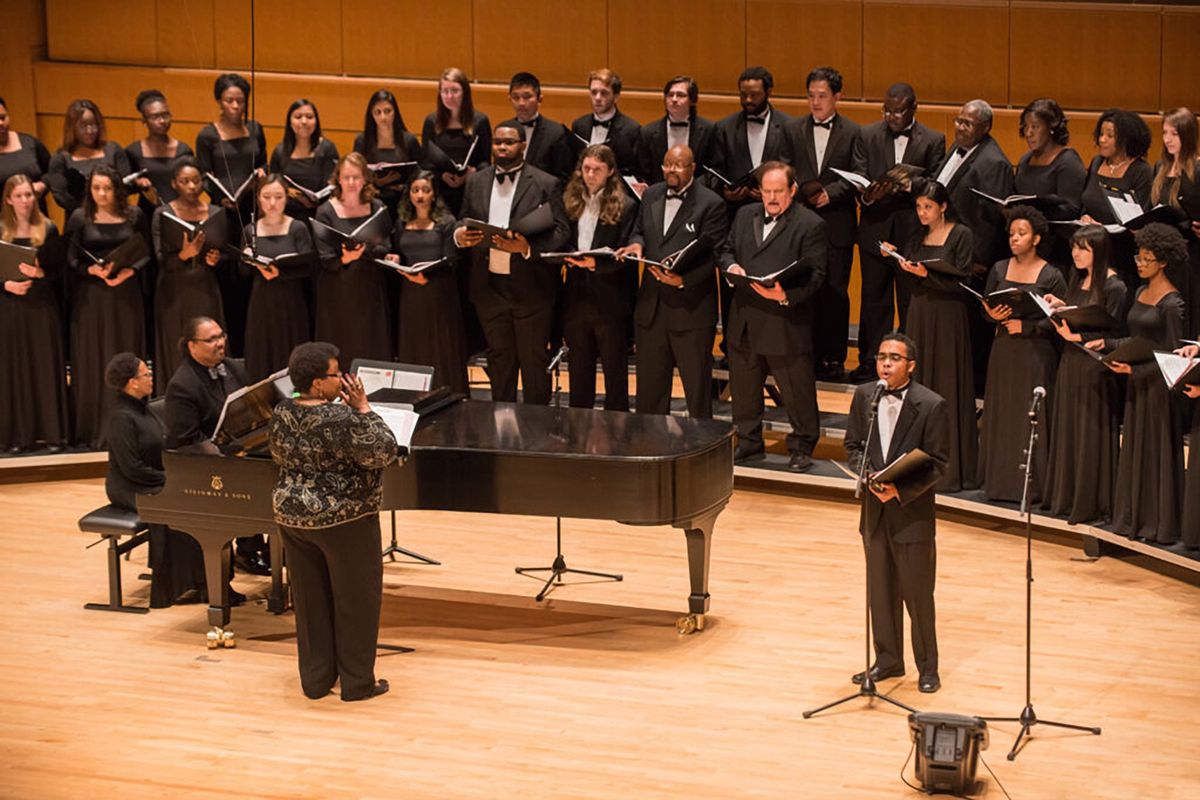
pixel 326 502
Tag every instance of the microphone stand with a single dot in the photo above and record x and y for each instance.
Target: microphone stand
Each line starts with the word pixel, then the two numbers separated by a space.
pixel 867 687
pixel 559 567
pixel 1028 718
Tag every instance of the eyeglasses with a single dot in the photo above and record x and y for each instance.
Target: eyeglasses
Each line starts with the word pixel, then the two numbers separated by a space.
pixel 895 358
pixel 337 375
pixel 220 337
pixel 1143 262
pixel 963 122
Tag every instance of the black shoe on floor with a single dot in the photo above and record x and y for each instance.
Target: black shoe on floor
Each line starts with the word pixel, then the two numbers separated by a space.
pixel 878 675
pixel 748 452
pixel 381 687
pixel 861 374
pixel 831 371
pixel 929 684
pixel 800 462
pixel 252 563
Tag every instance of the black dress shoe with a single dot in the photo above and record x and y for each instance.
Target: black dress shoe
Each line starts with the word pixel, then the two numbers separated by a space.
pixel 878 675
pixel 831 371
pixel 861 374
pixel 749 452
pixel 800 462
pixel 929 684
pixel 381 687
pixel 252 563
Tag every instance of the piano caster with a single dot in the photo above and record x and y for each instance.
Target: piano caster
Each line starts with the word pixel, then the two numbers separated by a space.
pixel 692 623
pixel 220 638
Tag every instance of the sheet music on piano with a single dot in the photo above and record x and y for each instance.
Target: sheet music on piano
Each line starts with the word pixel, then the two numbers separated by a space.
pixel 401 421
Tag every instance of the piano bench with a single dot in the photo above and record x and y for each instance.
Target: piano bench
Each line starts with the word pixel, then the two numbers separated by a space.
pixel 113 523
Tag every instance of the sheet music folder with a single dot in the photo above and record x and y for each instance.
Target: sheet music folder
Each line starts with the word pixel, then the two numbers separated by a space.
pixel 903 466
pixel 244 424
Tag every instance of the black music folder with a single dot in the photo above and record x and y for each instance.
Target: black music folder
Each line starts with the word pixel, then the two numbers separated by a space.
pixel 11 257
pixel 442 162
pixel 670 262
pixel 359 236
pixel 1179 372
pixel 537 221
pixel 938 265
pixel 233 194
pixel 316 196
pixel 749 180
pixel 1087 318
pixel 409 269
pixel 1134 350
pixel 244 424
pixel 761 280
pixel 1023 302
pixel 902 467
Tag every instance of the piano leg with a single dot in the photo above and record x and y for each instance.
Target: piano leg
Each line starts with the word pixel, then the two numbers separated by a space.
pixel 217 559
pixel 699 546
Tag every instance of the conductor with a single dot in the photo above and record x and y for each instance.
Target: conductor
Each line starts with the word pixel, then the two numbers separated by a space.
pixel 898 519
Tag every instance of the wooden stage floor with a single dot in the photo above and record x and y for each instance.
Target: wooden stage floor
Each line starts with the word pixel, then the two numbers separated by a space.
pixel 592 694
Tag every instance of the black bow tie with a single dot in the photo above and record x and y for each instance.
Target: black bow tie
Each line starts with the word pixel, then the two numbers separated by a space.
pixel 218 372
pixel 894 134
pixel 596 123
pixel 768 219
pixel 961 152
pixel 675 124
pixel 895 392
pixel 756 120
pixel 827 124
pixel 674 195
pixel 511 175
pixel 531 123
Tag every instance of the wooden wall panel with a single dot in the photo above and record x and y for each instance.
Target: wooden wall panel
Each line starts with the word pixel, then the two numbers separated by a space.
pixel 290 37
pixel 559 42
pixel 1084 76
pixel 1180 57
pixel 950 52
pixel 22 41
pixel 119 33
pixel 793 36
pixel 231 34
pixel 707 40
pixel 186 32
pixel 406 38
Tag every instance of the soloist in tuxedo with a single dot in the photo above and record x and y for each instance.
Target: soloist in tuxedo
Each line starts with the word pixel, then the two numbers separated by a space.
pixel 676 315
pixel 512 289
pixel 770 329
pixel 898 521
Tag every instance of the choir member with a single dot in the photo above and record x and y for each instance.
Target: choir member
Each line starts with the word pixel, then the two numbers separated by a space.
pixel 818 143
pixel 770 328
pixel 888 215
pixel 1191 493
pixel 938 321
pixel 107 312
pixel 681 125
pixel 22 154
pixel 386 140
pixel 748 138
pixel 85 147
pixel 135 467
pixel 278 317
pixel 546 141
pixel 1085 412
pixel 606 125
pixel 326 502
pixel 1177 184
pixel 351 288
pixel 597 310
pixel 1149 495
pixel 156 153
pixel 304 158
pixel 512 289
pixel 676 313
pixel 1050 170
pixel 1119 170
pixel 187 262
pixel 33 390
pixel 431 327
pixel 457 133
pixel 1023 357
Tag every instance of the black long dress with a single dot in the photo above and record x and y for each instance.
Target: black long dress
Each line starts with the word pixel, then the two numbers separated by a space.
pixel 391 183
pixel 1191 489
pixel 278 317
pixel 67 176
pixel 456 142
pixel 104 320
pixel 33 389
pixel 431 328
pixel 351 299
pixel 1017 365
pixel 185 289
pixel 939 324
pixel 1086 420
pixel 1149 496
pixel 1188 196
pixel 1137 180
pixel 158 169
pixel 1061 180
pixel 311 172
pixel 31 160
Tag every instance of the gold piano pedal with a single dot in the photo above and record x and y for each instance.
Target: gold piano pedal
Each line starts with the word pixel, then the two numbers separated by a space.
pixel 692 623
pixel 217 637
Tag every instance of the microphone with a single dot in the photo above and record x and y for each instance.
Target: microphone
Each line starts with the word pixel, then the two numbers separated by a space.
pixel 880 387
pixel 1039 392
pixel 558 357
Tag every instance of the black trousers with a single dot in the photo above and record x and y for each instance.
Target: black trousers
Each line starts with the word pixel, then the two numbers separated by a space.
pixel 902 573
pixel 659 352
pixel 877 310
pixel 337 585
pixel 518 342
pixel 831 308
pixel 797 386
pixel 592 335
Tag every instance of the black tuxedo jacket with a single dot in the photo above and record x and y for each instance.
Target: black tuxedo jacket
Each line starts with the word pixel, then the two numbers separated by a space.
pixel 988 170
pixel 652 147
pixel 894 218
pixel 731 148
pixel 195 399
pixel 843 151
pixel 622 138
pixel 798 235
pixel 921 424
pixel 701 217
pixel 550 151
pixel 534 283
pixel 606 287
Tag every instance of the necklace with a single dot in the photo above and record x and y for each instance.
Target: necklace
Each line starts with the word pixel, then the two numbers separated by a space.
pixel 1112 168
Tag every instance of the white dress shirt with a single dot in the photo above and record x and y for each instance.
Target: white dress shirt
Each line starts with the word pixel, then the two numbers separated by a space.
pixel 599 133
pixel 671 208
pixel 499 211
pixel 588 221
pixel 955 161
pixel 889 412
pixel 821 140
pixel 900 144
pixel 756 137
pixel 677 134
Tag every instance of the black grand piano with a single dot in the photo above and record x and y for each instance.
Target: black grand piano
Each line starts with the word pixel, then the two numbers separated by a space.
pixel 492 458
